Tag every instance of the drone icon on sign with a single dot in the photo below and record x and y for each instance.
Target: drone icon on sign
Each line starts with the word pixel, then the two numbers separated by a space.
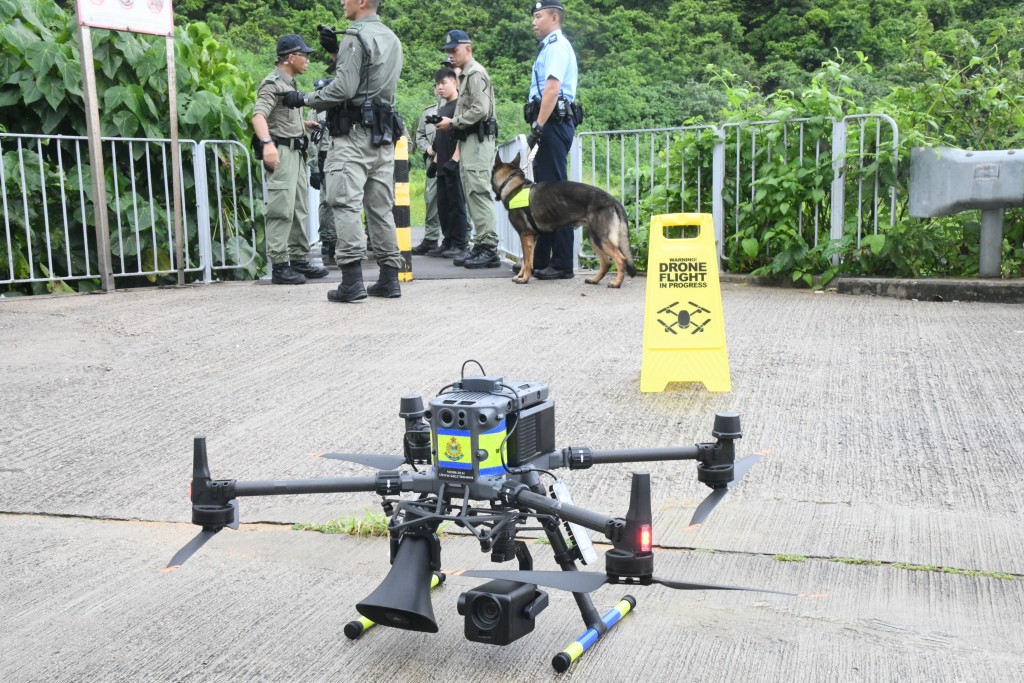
pixel 684 319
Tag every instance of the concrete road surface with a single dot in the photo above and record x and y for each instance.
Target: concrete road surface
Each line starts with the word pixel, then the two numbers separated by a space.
pixel 894 433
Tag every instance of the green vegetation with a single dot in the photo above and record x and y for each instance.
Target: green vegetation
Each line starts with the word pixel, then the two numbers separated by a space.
pixel 369 525
pixel 947 71
pixel 789 558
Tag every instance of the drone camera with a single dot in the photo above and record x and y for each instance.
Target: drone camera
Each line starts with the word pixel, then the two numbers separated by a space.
pixel 501 612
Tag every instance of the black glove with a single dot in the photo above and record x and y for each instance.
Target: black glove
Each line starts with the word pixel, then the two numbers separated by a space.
pixel 533 139
pixel 316 179
pixel 328 39
pixel 295 99
pixel 432 170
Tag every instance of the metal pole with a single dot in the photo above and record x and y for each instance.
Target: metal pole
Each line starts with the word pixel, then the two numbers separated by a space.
pixel 99 182
pixel 990 254
pixel 172 102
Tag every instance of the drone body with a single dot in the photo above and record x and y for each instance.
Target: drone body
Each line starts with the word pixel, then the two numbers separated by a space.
pixel 486 443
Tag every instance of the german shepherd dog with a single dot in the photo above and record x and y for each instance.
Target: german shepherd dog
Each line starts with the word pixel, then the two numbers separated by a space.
pixel 552 205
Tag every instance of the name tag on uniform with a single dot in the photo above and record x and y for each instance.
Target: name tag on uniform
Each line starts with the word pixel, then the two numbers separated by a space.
pixel 520 201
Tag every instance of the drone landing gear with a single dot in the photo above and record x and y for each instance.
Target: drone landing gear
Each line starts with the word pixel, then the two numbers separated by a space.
pixel 354 629
pixel 564 659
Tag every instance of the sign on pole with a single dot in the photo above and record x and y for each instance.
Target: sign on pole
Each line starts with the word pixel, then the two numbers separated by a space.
pixel 136 16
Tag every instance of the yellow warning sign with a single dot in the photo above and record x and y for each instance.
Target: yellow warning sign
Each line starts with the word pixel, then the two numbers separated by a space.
pixel 684 329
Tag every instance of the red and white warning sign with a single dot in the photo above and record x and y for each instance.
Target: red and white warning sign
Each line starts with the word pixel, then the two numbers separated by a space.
pixel 137 16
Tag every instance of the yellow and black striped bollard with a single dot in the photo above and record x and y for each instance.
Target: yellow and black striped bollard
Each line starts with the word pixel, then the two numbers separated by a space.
pixel 401 210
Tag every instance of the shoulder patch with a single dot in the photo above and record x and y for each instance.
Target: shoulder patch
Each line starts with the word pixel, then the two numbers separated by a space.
pixel 272 78
pixel 553 38
pixel 355 27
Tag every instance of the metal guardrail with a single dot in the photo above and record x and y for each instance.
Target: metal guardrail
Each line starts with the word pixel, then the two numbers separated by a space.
pixel 702 169
pixel 48 236
pixel 711 169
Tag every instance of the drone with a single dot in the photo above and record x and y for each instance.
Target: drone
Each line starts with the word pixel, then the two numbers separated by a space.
pixel 475 456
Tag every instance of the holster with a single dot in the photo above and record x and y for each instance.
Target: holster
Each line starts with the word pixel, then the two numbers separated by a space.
pixel 257 147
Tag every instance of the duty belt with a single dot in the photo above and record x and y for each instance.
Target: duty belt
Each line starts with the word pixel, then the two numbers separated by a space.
pixel 299 144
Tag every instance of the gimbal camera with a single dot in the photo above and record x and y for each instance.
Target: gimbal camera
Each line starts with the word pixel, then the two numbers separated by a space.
pixel 475 456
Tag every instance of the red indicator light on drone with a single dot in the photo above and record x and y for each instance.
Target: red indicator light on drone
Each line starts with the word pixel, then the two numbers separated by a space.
pixel 645 538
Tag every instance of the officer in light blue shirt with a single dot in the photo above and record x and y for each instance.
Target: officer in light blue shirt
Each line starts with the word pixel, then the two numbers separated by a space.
pixel 552 118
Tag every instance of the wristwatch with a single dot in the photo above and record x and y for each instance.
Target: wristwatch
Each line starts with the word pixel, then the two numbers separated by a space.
pixel 266 140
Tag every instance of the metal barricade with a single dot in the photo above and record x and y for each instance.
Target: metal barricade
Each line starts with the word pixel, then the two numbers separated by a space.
pixel 508 238
pixel 231 214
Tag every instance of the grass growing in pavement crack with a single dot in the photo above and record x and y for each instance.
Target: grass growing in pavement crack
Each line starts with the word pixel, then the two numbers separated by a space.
pixel 369 525
pixel 904 565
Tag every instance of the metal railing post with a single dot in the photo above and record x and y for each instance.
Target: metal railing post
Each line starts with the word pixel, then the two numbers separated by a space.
pixel 203 213
pixel 838 219
pixel 717 188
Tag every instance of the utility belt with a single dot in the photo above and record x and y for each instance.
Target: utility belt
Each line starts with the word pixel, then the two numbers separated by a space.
pixel 564 111
pixel 299 144
pixel 379 117
pixel 484 128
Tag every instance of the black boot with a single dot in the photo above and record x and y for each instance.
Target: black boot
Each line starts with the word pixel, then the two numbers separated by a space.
pixel 284 274
pixel 440 249
pixel 487 258
pixel 327 253
pixel 387 284
pixel 351 287
pixel 424 246
pixel 308 269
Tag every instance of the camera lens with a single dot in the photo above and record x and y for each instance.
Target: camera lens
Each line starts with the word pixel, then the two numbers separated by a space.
pixel 486 612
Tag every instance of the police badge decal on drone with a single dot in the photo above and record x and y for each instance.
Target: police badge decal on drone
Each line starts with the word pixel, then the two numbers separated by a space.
pixel 475 457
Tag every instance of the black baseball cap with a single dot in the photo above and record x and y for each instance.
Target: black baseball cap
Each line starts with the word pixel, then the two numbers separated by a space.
pixel 292 43
pixel 456 38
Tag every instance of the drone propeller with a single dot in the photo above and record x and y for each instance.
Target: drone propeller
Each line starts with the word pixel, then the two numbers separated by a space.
pixel 741 468
pixel 198 541
pixel 377 462
pixel 585 582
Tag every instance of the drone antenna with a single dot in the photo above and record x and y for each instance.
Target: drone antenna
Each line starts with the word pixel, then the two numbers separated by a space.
pixel 462 373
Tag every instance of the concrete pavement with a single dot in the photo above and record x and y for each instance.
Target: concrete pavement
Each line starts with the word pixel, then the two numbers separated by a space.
pixel 895 438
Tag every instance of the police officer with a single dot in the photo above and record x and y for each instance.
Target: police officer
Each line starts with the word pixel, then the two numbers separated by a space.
pixel 477 128
pixel 282 136
pixel 553 125
pixel 360 164
pixel 425 143
pixel 322 142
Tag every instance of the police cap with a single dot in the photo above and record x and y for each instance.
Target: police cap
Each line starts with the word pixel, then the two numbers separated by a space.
pixel 545 4
pixel 292 43
pixel 456 38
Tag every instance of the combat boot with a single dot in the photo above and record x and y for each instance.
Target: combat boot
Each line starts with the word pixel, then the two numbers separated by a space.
pixel 440 249
pixel 487 258
pixel 284 274
pixel 424 246
pixel 308 269
pixel 466 254
pixel 387 284
pixel 327 253
pixel 351 288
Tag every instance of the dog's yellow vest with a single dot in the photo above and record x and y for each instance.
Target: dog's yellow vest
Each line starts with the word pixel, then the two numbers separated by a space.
pixel 521 200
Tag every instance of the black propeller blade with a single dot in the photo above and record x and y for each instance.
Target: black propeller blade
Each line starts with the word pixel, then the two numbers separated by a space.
pixel 377 462
pixel 740 469
pixel 189 549
pixel 198 541
pixel 585 582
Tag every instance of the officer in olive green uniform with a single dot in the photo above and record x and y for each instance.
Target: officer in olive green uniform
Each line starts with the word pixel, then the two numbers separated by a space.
pixel 281 133
pixel 322 141
pixel 360 164
pixel 475 124
pixel 425 133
